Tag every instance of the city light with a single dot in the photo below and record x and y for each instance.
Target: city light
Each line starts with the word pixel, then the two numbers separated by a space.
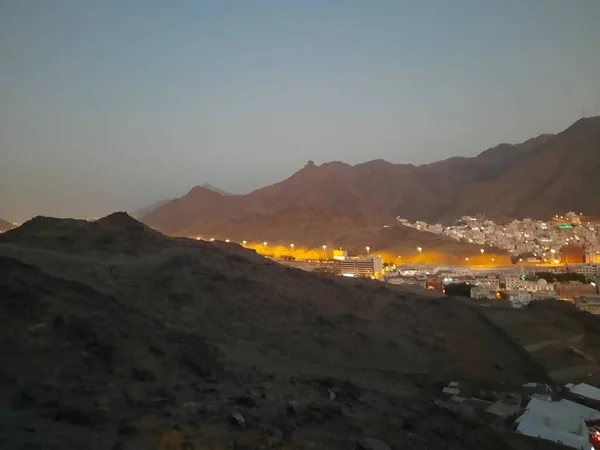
pixel 368 249
pixel 482 251
pixel 420 249
pixel 244 242
pixel 292 245
pixel 226 240
pixel 212 239
pixel 265 243
pixel 197 238
pixel 324 247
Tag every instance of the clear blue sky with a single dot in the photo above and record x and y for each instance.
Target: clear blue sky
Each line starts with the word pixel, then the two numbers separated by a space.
pixel 110 105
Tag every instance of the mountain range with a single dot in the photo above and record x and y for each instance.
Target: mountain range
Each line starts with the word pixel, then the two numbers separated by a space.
pixel 538 178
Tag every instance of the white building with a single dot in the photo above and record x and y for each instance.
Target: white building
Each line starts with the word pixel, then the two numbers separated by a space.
pixel 562 422
pixel 519 299
pixel 516 284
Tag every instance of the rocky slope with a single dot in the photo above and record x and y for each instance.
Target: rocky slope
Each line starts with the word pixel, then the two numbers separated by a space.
pixel 116 335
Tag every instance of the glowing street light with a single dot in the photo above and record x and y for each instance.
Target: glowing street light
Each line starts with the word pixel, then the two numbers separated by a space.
pixel 368 249
pixel 244 242
pixel 265 243
pixel 466 259
pixel 482 251
pixel 493 259
pixel 226 240
pixel 420 250
pixel 212 239
pixel 324 247
pixel 292 245
pixel 197 238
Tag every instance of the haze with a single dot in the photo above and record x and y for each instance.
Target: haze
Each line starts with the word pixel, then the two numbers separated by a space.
pixel 113 105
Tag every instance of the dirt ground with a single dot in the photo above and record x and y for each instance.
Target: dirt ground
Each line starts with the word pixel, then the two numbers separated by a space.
pixel 113 336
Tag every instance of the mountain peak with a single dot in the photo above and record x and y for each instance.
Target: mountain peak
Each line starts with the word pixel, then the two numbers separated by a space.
pixel 210 187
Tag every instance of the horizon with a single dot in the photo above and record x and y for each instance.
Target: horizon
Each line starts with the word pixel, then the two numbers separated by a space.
pixel 242 96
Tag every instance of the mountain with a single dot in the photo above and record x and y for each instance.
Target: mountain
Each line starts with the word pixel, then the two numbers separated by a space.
pixel 210 187
pixel 4 225
pixel 149 208
pixel 537 178
pixel 114 332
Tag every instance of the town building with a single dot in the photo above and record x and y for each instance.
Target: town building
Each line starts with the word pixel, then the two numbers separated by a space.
pixel 339 254
pixel 517 284
pixel 518 299
pixel 361 267
pixel 568 291
pixel 589 303
pixel 592 257
pixel 573 254
pixel 483 292
pixel 563 422
pixel 588 270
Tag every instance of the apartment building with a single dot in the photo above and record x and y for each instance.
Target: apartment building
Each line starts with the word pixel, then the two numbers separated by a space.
pixel 361 267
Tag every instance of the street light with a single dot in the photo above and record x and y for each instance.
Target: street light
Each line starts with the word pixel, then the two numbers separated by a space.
pixel 244 242
pixel 420 249
pixel 265 243
pixel 368 248
pixel 482 251
pixel 226 240
pixel 292 245
pixel 324 247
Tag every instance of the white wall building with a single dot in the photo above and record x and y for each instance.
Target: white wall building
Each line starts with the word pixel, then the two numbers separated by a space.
pixel 516 284
pixel 562 422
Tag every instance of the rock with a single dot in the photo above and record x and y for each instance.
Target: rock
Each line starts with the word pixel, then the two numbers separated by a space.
pixel 294 407
pixel 191 408
pixel 245 400
pixel 371 444
pixel 332 395
pixel 237 419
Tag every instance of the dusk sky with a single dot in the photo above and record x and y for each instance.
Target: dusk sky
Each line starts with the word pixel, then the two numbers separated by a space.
pixel 111 105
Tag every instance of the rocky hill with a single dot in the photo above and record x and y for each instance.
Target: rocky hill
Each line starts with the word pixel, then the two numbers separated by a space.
pixel 538 178
pixel 114 334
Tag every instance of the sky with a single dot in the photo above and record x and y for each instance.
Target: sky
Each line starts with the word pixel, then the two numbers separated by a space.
pixel 116 104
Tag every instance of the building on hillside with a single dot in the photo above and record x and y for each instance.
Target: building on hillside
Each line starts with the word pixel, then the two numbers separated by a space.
pixel 517 284
pixel 544 295
pixel 588 270
pixel 489 281
pixel 435 284
pixel 483 292
pixel 573 254
pixel 339 254
pixel 568 291
pixel 518 299
pixel 362 267
pixel 589 303
pixel 592 257
pixel 563 422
